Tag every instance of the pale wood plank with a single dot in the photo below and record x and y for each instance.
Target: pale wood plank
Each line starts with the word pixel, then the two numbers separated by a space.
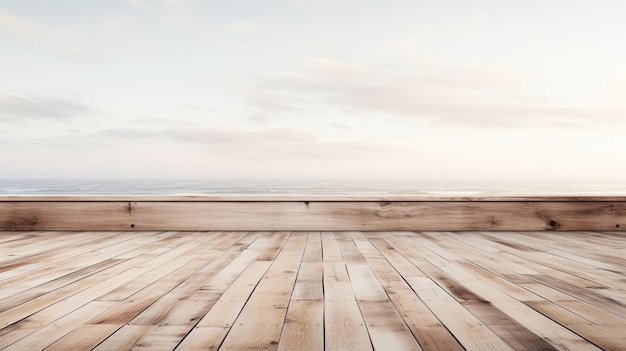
pixel 330 248
pixel 173 307
pixel 570 271
pixel 558 336
pixel 226 309
pixel 160 283
pixel 349 252
pixel 510 330
pixel 508 281
pixel 468 329
pixel 608 338
pixel 84 337
pixel 19 291
pixel 123 338
pixel 364 283
pixel 553 290
pixel 344 324
pixel 309 282
pixel 81 245
pixel 304 326
pixel 384 324
pixel 304 197
pixel 161 338
pixel 386 327
pixel 260 322
pixel 42 337
pixel 488 266
pixel 203 338
pixel 79 291
pixel 429 332
pixel 313 215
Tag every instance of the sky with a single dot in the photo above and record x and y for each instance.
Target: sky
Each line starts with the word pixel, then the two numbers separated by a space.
pixel 314 89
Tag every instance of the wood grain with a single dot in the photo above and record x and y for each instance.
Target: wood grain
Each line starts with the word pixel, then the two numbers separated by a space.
pixel 332 290
pixel 313 215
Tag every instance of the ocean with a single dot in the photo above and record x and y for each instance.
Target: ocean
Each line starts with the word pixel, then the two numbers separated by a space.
pixel 312 187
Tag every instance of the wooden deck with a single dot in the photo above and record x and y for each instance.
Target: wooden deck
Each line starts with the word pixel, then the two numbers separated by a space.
pixel 312 290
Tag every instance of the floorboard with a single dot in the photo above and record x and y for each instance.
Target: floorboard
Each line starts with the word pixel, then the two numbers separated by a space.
pixel 312 290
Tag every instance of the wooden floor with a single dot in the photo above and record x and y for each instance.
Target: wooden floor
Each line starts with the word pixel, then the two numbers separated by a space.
pixel 312 290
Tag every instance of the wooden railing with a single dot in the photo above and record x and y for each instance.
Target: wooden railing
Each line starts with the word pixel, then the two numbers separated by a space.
pixel 312 213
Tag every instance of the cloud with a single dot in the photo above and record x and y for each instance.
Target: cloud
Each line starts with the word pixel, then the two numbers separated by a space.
pixel 238 27
pixel 176 12
pixel 222 135
pixel 240 50
pixel 142 3
pixel 61 41
pixel 336 125
pixel 102 38
pixel 270 150
pixel 15 108
pixel 333 67
pixel 229 135
pixel 259 118
pixel 19 25
pixel 430 90
pixel 244 142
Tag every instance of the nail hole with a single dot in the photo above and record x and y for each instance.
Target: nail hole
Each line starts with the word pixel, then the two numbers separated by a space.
pixel 132 225
pixel 617 226
pixel 552 223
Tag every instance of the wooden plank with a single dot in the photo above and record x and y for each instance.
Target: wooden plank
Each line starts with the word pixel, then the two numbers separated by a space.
pixel 386 327
pixel 608 338
pixel 161 338
pixel 85 289
pixel 509 285
pixel 609 305
pixel 344 324
pixel 314 215
pixel 202 339
pixel 309 283
pixel 41 337
pixel 84 337
pixel 159 284
pixel 569 271
pixel 23 288
pixel 364 283
pixel 384 324
pixel 260 322
pixel 303 197
pixel 561 338
pixel 188 301
pixel 486 265
pixel 468 329
pixel 304 326
pixel 226 309
pixel 123 339
pixel 511 331
pixel 349 252
pixel 391 270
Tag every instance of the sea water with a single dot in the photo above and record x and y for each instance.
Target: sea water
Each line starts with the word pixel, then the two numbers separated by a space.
pixel 442 187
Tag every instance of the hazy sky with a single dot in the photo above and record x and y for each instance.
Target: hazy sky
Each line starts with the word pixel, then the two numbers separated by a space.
pixel 530 89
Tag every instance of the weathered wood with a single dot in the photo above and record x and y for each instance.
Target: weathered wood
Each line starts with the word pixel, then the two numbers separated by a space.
pixel 468 214
pixel 296 290
pixel 304 326
pixel 345 327
pixel 260 322
pixel 306 197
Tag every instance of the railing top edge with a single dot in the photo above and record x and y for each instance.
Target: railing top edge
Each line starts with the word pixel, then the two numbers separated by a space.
pixel 309 198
